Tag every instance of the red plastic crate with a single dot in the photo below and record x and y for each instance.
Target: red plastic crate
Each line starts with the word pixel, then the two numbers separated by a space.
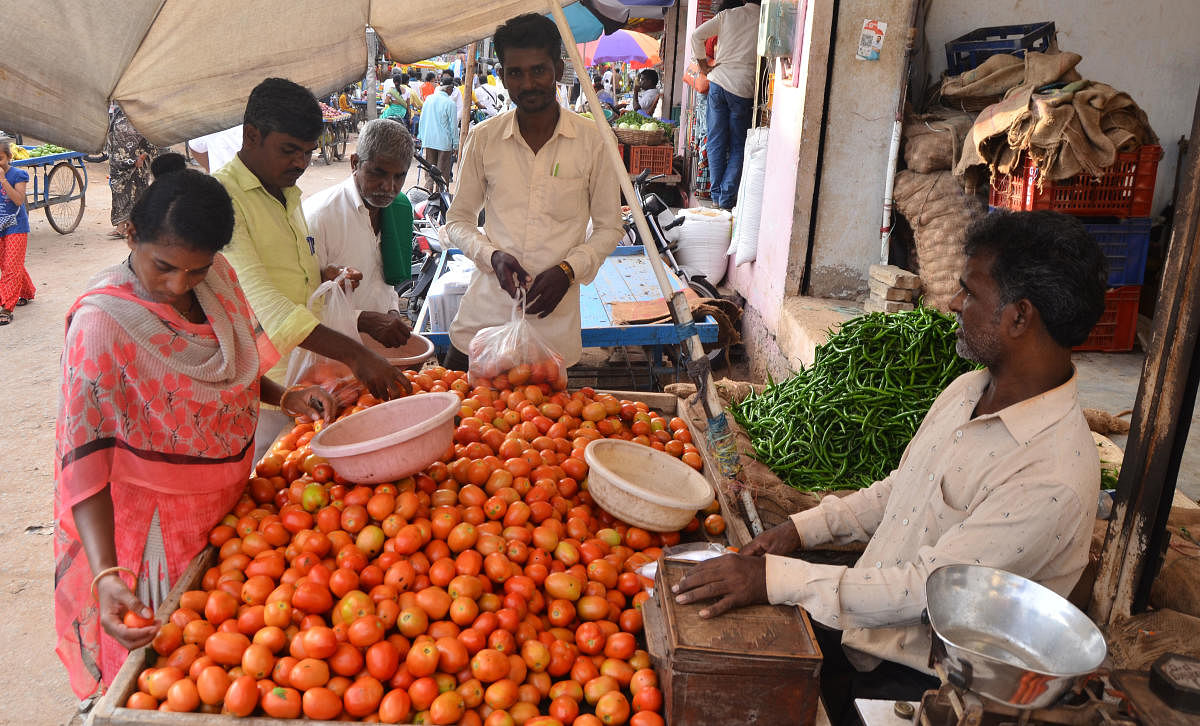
pixel 1125 190
pixel 655 158
pixel 1117 327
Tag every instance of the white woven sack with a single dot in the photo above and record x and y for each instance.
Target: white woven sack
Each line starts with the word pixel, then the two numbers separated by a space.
pixel 704 242
pixel 748 213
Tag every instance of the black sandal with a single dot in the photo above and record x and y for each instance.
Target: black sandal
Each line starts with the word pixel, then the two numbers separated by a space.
pixel 6 317
pixel 22 301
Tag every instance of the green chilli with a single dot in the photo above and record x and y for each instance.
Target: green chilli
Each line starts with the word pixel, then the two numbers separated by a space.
pixel 843 422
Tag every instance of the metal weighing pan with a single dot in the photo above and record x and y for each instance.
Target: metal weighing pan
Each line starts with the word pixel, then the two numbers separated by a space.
pixel 1008 638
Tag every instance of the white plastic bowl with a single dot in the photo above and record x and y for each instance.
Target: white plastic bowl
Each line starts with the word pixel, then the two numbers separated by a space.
pixel 391 440
pixel 412 354
pixel 643 486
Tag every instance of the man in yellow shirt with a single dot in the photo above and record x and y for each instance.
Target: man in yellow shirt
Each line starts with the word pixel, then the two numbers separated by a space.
pixel 272 251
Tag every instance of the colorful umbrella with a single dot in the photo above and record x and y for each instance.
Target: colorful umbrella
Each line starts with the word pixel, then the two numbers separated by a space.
pixel 623 46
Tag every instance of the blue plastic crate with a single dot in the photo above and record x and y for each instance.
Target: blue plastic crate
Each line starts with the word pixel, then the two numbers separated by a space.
pixel 1124 243
pixel 968 51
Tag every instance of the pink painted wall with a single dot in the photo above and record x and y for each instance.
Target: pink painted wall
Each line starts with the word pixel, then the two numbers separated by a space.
pixel 762 282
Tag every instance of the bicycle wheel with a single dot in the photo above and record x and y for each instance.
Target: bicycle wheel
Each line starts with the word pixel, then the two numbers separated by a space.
pixel 64 197
pixel 326 146
pixel 342 139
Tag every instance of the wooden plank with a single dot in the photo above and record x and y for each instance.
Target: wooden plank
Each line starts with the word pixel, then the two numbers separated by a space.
pixel 1137 535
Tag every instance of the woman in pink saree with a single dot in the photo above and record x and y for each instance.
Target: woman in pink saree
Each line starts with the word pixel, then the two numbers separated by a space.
pixel 162 377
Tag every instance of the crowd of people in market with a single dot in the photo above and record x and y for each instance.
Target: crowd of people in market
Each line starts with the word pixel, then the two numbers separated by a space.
pixel 176 359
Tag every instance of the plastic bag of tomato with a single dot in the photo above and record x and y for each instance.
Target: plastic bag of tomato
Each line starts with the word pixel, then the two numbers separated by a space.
pixel 489 589
pixel 515 354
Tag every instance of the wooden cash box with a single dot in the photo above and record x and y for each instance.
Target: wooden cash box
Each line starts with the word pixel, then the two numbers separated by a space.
pixel 753 665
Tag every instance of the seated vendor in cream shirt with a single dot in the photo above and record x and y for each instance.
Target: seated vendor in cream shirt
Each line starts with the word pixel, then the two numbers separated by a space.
pixel 1003 471
pixel 345 221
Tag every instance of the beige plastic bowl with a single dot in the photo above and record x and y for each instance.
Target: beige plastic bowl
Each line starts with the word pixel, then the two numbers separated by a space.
pixel 391 440
pixel 412 354
pixel 643 486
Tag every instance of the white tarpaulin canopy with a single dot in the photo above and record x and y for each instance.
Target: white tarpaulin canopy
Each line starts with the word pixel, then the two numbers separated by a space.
pixel 184 68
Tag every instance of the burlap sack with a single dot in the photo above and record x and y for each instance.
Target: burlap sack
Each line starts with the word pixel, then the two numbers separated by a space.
pixel 999 74
pixel 1078 128
pixel 939 213
pixel 932 140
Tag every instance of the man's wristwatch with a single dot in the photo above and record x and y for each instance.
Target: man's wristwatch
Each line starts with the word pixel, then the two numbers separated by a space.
pixel 566 268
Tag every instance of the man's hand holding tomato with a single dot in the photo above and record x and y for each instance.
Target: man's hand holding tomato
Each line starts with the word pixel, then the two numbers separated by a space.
pixel 122 615
pixel 737 580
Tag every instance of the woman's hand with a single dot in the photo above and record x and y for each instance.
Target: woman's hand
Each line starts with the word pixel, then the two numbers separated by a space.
pixel 116 600
pixel 309 403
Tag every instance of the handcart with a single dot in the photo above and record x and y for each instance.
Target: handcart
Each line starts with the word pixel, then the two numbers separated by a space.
pixel 335 134
pixel 59 183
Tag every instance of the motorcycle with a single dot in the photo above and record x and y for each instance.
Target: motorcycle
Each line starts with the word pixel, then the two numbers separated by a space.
pixel 654 208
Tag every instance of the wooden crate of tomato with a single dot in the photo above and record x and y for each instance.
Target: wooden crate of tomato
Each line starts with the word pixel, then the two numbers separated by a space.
pixel 488 589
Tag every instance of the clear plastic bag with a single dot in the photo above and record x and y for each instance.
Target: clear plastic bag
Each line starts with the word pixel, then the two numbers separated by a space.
pixel 308 368
pixel 515 354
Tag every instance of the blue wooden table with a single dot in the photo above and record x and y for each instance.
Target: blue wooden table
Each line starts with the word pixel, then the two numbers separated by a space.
pixel 625 276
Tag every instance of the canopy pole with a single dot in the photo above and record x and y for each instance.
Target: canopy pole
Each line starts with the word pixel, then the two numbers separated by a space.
pixel 371 83
pixel 720 438
pixel 468 96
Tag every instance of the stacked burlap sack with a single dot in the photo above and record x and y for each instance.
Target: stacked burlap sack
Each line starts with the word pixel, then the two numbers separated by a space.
pixel 939 212
pixel 933 200
pixel 1046 111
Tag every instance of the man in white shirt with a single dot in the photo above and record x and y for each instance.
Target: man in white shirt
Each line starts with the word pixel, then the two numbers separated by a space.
pixel 347 223
pixel 487 97
pixel 539 174
pixel 215 150
pixel 730 94
pixel 455 92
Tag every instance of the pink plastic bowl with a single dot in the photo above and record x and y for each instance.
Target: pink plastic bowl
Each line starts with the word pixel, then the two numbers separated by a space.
pixel 391 440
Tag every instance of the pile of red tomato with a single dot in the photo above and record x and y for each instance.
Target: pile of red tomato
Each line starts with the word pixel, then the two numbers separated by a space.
pixel 487 590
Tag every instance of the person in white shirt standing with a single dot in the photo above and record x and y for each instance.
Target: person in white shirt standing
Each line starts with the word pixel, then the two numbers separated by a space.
pixel 730 94
pixel 215 150
pixel 540 175
pixel 350 223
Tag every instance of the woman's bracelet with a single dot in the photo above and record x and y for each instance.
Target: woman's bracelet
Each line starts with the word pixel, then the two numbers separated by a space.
pixel 105 572
pixel 286 391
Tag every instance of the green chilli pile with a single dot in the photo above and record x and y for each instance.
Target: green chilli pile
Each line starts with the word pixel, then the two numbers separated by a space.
pixel 843 422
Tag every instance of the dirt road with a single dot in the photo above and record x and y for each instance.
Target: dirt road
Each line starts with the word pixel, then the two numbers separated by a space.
pixel 32 679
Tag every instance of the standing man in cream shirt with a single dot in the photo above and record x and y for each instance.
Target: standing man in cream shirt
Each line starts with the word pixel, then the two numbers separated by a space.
pixel 730 93
pixel 540 174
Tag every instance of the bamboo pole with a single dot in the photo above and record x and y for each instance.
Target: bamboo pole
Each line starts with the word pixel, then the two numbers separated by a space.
pixel 468 96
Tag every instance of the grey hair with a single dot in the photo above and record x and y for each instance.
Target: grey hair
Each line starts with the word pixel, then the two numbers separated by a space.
pixel 387 139
pixel 6 145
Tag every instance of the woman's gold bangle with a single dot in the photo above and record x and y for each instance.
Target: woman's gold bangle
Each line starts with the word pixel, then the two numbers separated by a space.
pixel 108 571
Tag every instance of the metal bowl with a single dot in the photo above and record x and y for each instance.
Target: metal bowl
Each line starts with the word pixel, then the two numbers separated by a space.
pixel 1008 638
